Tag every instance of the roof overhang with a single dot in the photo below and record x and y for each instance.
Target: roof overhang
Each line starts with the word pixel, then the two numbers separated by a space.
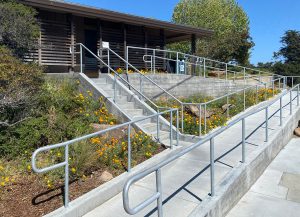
pixel 173 32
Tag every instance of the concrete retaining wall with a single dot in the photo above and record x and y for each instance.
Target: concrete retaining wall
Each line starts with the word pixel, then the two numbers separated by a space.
pixel 182 85
pixel 237 182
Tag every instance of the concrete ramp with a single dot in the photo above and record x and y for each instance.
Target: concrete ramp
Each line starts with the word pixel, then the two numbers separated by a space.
pixel 186 181
pixel 277 192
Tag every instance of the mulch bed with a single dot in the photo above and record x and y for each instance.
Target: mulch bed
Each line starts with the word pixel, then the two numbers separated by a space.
pixel 29 197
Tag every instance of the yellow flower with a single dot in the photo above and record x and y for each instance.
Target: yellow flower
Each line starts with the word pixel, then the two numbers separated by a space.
pixel 2 184
pixel 6 179
pixel 58 154
pixel 1 168
pixel 29 168
pixel 111 123
pixel 73 170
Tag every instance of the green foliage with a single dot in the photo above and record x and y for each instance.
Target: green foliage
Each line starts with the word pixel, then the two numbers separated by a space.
pixel 231 40
pixel 216 115
pixel 290 54
pixel 19 84
pixel 19 28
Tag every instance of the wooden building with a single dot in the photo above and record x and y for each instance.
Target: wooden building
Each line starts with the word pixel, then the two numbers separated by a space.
pixel 64 24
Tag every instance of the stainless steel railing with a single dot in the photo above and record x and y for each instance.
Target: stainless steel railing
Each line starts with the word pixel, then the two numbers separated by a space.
pixel 209 138
pixel 66 145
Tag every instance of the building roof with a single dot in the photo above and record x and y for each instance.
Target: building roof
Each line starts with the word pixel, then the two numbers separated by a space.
pixel 174 32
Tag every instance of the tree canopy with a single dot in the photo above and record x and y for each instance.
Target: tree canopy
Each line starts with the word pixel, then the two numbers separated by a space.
pixel 289 54
pixel 19 27
pixel 231 40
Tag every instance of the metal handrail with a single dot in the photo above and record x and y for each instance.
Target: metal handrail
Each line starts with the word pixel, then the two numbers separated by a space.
pixel 204 59
pixel 115 73
pixel 176 99
pixel 66 144
pixel 141 74
pixel 210 137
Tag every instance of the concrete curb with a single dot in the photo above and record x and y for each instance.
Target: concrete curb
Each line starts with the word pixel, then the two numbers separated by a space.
pixel 237 182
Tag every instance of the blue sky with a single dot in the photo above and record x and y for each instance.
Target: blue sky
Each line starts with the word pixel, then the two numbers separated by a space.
pixel 269 19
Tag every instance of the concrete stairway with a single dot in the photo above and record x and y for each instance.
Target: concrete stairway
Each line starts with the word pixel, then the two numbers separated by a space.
pixel 135 109
pixel 186 181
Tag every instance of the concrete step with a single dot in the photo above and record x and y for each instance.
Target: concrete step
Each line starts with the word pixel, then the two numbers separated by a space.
pixel 150 127
pixel 100 80
pixel 134 112
pixel 146 121
pixel 121 99
pixel 128 105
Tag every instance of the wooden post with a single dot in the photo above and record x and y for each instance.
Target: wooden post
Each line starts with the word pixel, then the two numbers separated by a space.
pixel 193 51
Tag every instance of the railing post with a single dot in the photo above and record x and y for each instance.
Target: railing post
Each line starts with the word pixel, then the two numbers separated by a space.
pixel 205 119
pixel 291 102
pixel 154 61
pixel 159 190
pixel 141 84
pixel 226 71
pixel 157 124
pixel 127 58
pixel 292 82
pixel 298 95
pixel 81 59
pixel 212 167
pixel 200 119
pixel 177 127
pixel 243 141
pixel 66 176
pixel 182 118
pixel 115 86
pixel 129 148
pixel 280 111
pixel 244 99
pixel 267 124
pixel 108 61
pixel 177 63
pixel 171 130
pixel 244 75
pixel 204 67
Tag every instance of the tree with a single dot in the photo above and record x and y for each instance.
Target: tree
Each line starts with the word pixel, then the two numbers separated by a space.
pixel 231 40
pixel 19 28
pixel 289 55
pixel 291 47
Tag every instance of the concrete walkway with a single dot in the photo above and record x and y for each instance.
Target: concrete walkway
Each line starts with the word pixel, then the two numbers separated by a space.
pixel 277 192
pixel 186 181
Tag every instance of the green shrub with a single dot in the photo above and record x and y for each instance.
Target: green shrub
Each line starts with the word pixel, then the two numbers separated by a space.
pixel 19 85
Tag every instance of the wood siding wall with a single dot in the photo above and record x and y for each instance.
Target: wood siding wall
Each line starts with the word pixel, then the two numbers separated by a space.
pixel 56 38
